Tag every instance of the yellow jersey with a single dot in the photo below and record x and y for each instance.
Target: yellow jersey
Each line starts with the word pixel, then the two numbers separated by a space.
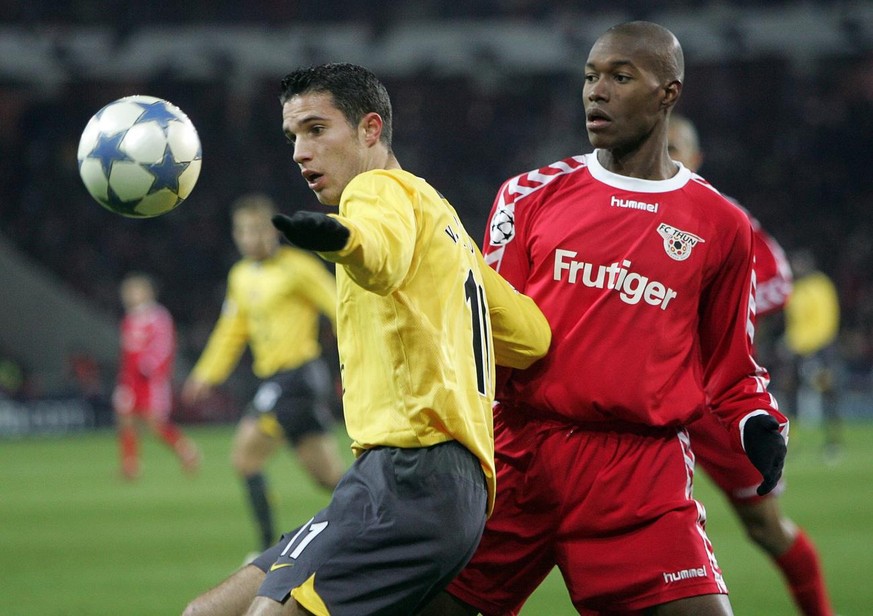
pixel 273 306
pixel 812 314
pixel 414 326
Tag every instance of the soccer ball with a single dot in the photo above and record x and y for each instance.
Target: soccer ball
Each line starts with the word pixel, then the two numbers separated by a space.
pixel 139 156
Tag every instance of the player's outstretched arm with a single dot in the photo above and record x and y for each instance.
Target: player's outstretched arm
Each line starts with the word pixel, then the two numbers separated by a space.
pixel 766 447
pixel 519 329
pixel 194 390
pixel 230 598
pixel 312 231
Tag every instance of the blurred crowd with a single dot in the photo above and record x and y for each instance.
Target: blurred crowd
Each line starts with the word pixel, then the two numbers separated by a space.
pixel 385 12
pixel 790 142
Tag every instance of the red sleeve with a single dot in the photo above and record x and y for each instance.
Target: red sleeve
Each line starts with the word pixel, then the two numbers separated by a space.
pixel 772 272
pixel 505 255
pixel 157 355
pixel 502 248
pixel 735 384
pixel 127 361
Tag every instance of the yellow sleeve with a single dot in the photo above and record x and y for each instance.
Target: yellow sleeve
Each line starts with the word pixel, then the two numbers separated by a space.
pixel 225 345
pixel 319 287
pixel 381 222
pixel 520 331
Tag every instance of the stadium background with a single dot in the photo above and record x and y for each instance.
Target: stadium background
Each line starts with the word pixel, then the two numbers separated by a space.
pixel 782 94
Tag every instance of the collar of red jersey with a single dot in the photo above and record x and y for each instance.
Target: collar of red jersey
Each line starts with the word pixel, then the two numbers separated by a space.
pixel 624 182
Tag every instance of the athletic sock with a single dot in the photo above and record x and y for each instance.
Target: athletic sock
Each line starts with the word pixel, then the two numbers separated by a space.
pixel 186 450
pixel 802 570
pixel 128 446
pixel 257 488
pixel 170 434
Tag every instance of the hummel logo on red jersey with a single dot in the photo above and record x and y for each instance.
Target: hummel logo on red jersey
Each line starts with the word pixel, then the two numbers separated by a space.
pixel 631 204
pixel 631 287
pixel 684 574
pixel 678 243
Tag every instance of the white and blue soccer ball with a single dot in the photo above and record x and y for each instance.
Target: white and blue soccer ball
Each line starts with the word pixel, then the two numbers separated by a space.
pixel 139 156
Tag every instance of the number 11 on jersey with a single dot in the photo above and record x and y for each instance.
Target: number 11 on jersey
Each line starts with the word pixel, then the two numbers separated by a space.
pixel 475 295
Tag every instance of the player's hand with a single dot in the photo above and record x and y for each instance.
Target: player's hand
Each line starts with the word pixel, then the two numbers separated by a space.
pixel 195 390
pixel 122 399
pixel 312 231
pixel 766 449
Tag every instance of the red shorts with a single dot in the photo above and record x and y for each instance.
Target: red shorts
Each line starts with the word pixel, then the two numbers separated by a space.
pixel 730 469
pixel 612 509
pixel 145 398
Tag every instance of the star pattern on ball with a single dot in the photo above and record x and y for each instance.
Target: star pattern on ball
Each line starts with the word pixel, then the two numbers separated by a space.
pixel 167 172
pixel 156 112
pixel 146 135
pixel 107 150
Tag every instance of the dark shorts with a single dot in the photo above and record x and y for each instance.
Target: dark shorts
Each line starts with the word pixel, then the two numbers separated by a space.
pixel 298 399
pixel 399 527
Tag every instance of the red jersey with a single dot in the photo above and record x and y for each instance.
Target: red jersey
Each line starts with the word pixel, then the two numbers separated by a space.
pixel 773 276
pixel 647 286
pixel 148 345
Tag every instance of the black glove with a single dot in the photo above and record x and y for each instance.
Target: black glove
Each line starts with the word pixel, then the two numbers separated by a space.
pixel 766 449
pixel 312 231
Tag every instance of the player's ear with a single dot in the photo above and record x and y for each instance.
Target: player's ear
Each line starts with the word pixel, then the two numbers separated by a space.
pixel 671 93
pixel 371 128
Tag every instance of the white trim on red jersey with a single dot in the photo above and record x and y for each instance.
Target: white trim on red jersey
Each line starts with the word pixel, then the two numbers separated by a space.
pixel 648 286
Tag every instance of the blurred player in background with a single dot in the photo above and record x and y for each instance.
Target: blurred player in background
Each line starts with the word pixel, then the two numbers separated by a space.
pixel 788 546
pixel 417 311
pixel 275 296
pixel 145 377
pixel 645 275
pixel 812 327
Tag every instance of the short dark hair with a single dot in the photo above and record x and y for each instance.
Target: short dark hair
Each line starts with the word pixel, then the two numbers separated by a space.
pixel 356 91
pixel 254 202
pixel 663 48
